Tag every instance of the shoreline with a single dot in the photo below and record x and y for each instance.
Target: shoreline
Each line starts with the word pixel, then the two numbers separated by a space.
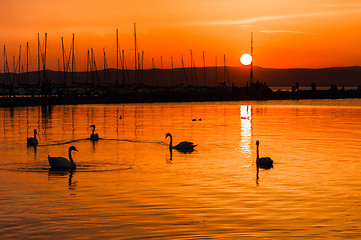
pixel 140 95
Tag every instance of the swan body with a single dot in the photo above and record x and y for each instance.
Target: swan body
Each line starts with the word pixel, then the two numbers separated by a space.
pixel 61 162
pixel 94 136
pixel 183 146
pixel 264 162
pixel 32 141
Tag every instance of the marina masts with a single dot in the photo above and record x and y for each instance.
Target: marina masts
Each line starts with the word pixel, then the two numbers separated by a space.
pixel 135 54
pixel 117 46
pixel 251 71
pixel 204 70
pixel 27 63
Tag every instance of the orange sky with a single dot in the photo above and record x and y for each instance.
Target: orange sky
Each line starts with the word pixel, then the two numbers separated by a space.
pixel 287 34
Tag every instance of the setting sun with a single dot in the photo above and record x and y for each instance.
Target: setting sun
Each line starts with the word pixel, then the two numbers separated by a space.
pixel 246 59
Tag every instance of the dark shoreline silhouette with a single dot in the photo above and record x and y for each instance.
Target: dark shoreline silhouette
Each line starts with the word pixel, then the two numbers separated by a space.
pixel 140 95
pixel 174 85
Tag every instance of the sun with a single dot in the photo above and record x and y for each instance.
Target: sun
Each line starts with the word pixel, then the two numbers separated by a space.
pixel 246 59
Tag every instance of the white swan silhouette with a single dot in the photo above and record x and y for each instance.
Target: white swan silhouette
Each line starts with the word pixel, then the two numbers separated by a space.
pixel 32 141
pixel 94 136
pixel 61 162
pixel 264 162
pixel 182 147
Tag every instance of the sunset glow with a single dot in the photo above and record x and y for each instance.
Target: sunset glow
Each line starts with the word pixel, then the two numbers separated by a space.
pixel 286 35
pixel 246 59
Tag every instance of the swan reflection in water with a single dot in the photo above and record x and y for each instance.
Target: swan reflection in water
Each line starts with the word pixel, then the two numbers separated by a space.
pixel 170 159
pixel 56 173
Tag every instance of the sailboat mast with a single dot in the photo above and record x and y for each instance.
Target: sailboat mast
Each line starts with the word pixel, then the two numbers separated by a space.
pixel 44 59
pixel 38 59
pixel 172 72
pixel 204 69
pixel 138 71
pixel 64 67
pixel 104 69
pixel 251 72
pixel 135 55
pixel 216 74
pixel 142 67
pixel 87 67
pixel 161 71
pixel 153 70
pixel 27 62
pixel 91 60
pixel 192 67
pixel 123 61
pixel 184 73
pixel 117 45
pixel 224 68
pixel 19 62
pixel 72 61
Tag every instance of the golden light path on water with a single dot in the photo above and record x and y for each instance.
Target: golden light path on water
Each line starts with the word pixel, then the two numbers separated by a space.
pixel 128 185
pixel 246 129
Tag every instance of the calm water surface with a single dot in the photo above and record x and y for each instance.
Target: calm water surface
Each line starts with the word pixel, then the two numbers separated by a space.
pixel 128 186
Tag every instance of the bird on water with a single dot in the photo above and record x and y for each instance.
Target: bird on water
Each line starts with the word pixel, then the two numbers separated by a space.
pixel 61 162
pixel 32 141
pixel 182 147
pixel 264 162
pixel 94 136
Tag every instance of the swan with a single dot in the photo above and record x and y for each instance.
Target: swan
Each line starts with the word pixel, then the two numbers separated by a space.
pixel 61 162
pixel 183 146
pixel 264 162
pixel 94 136
pixel 32 141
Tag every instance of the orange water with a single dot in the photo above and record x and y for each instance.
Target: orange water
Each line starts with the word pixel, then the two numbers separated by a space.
pixel 128 186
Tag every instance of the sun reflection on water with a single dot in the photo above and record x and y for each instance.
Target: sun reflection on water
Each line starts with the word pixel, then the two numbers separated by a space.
pixel 246 130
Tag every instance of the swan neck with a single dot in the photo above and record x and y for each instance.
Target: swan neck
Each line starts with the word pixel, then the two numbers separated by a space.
pixel 171 141
pixel 93 129
pixel 257 152
pixel 35 134
pixel 70 158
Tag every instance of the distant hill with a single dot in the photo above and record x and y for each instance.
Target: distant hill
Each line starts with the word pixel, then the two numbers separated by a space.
pixel 210 76
pixel 323 77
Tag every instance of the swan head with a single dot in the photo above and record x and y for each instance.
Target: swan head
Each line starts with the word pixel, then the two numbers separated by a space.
pixel 72 148
pixel 92 125
pixel 257 142
pixel 35 132
pixel 168 135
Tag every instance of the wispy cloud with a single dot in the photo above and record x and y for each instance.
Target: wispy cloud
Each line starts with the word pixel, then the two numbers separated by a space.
pixel 335 5
pixel 283 31
pixel 280 17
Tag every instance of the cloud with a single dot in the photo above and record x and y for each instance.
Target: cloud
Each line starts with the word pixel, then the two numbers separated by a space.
pixel 279 17
pixel 336 5
pixel 283 31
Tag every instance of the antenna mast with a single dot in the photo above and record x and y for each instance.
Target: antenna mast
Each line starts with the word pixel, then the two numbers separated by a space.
pixel 251 72
pixel 135 55
pixel 216 73
pixel 172 72
pixel 27 63
pixel 204 69
pixel 117 74
pixel 72 62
